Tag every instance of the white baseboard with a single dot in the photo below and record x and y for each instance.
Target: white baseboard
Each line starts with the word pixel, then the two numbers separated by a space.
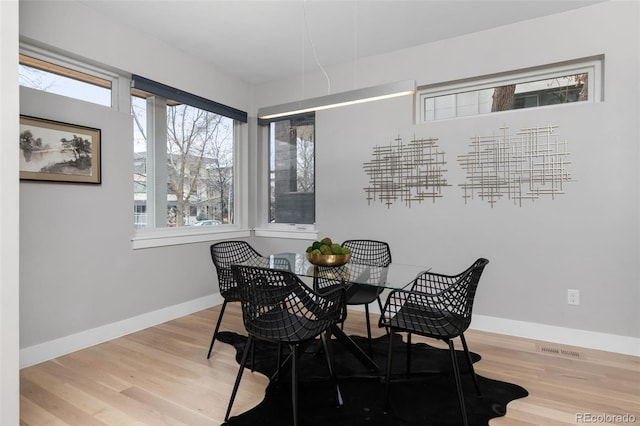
pixel 561 335
pixel 64 345
pixel 547 333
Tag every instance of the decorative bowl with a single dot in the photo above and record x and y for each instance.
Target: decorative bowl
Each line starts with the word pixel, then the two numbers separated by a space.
pixel 328 259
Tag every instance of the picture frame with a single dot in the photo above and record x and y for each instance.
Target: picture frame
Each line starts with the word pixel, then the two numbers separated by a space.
pixel 59 152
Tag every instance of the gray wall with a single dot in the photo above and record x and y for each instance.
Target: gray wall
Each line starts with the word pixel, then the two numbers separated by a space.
pixel 587 239
pixel 78 271
pixel 77 268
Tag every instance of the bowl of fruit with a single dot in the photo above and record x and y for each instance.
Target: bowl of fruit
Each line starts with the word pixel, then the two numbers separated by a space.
pixel 327 253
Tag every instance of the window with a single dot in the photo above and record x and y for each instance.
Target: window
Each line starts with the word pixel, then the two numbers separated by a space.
pixel 292 170
pixel 49 77
pixel 183 158
pixel 578 81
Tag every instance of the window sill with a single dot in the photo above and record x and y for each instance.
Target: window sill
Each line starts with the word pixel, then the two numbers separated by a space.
pixel 148 238
pixel 291 231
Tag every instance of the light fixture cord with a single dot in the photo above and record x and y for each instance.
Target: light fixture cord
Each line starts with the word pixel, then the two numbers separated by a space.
pixel 313 49
pixel 355 44
pixel 303 53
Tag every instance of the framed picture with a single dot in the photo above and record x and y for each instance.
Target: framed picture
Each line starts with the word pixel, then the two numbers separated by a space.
pixel 60 152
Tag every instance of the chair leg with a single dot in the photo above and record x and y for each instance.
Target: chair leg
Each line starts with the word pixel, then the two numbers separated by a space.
pixel 387 385
pixel 328 351
pixel 382 310
pixel 408 355
pixel 281 363
pixel 366 311
pixel 243 361
pixel 253 357
pixel 215 332
pixel 470 364
pixel 276 377
pixel 294 383
pixel 456 373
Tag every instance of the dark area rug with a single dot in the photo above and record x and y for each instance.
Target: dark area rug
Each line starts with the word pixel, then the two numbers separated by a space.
pixel 429 397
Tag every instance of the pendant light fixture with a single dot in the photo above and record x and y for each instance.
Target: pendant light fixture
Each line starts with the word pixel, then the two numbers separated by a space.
pixel 367 94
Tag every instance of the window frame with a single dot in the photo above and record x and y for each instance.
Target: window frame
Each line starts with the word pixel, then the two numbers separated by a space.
pixel 121 101
pixel 77 69
pixel 593 66
pixel 264 227
pixel 166 236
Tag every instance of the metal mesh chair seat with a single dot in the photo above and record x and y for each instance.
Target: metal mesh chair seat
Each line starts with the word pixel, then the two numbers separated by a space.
pixel 363 295
pixel 224 254
pixel 278 307
pixel 437 306
pixel 425 322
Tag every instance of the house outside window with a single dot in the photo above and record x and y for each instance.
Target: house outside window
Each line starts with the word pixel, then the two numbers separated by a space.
pixel 183 164
pixel 571 82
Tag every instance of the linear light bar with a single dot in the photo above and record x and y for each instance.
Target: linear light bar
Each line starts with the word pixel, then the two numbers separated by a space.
pixel 367 94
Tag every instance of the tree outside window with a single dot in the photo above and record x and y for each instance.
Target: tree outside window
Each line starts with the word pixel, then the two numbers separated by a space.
pixel 199 166
pixel 292 170
pixel 567 83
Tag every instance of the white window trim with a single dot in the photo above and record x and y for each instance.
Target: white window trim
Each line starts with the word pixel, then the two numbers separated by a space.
pixel 161 237
pixel 592 66
pixel 148 238
pixel 118 83
pixel 293 231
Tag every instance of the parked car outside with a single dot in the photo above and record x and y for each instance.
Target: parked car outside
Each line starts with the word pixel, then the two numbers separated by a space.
pixel 207 223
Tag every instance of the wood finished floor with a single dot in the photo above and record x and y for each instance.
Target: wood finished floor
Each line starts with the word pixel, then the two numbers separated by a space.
pixel 161 376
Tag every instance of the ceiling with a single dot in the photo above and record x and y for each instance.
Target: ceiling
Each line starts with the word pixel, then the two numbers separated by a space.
pixel 264 40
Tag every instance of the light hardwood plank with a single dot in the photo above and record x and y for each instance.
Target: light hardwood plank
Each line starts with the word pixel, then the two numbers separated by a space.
pixel 161 376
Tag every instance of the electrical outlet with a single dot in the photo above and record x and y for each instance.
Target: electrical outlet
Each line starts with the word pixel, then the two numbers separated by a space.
pixel 573 297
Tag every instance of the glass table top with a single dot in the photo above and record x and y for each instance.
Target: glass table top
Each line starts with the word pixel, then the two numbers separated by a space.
pixel 396 275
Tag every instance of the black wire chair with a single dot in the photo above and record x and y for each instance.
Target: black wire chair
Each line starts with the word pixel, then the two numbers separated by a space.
pixel 437 306
pixel 278 307
pixel 363 252
pixel 224 254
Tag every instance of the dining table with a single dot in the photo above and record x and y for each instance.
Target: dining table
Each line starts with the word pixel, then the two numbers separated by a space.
pixel 351 274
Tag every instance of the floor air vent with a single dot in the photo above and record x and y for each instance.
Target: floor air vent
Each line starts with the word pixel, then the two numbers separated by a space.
pixel 559 351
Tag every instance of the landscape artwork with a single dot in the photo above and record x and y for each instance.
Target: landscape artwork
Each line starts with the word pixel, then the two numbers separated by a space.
pixel 54 151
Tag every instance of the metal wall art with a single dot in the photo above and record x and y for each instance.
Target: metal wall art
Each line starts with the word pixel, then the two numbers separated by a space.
pixel 407 173
pixel 522 166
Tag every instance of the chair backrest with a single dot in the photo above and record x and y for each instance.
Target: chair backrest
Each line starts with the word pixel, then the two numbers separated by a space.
pixel 278 306
pixel 224 254
pixel 472 277
pixel 369 252
pixel 452 294
pixel 363 252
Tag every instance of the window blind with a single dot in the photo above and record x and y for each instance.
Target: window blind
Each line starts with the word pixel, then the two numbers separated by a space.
pixel 171 93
